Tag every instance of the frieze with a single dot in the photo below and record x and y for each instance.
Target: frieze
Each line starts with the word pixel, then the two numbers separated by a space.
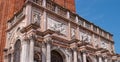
pixel 85 36
pixel 59 27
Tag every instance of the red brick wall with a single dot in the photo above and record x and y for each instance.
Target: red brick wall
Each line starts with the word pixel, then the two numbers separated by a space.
pixel 9 7
pixel 69 4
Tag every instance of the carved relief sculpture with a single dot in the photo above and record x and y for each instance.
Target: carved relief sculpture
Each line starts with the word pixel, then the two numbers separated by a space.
pixel 96 41
pixel 36 18
pixel 103 44
pixel 85 36
pixel 56 26
pixel 72 33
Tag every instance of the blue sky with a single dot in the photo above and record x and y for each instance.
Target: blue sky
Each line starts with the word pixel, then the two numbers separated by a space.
pixel 104 13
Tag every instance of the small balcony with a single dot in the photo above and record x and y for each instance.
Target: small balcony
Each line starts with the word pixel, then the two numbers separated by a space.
pixel 50 6
pixel 72 17
pixel 62 12
pixel 39 2
pixel 16 19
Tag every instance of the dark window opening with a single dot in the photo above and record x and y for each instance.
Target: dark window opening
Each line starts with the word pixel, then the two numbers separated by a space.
pixel 56 57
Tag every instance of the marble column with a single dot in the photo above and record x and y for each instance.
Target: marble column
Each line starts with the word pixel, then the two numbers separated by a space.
pixel 43 52
pixel 106 60
pixel 24 53
pixel 48 59
pixel 31 52
pixel 84 57
pixel 100 59
pixel 75 55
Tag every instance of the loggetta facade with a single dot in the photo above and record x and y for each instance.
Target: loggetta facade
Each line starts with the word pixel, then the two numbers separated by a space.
pixel 43 31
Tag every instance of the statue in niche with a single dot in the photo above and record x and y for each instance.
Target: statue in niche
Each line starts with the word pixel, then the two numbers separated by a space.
pixel 62 28
pixel 36 18
pixel 96 43
pixel 89 38
pixel 73 33
pixel 86 37
pixel 103 44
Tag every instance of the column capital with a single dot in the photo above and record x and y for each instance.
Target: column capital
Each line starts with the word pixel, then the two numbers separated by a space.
pixel 48 39
pixel 29 35
pixel 73 46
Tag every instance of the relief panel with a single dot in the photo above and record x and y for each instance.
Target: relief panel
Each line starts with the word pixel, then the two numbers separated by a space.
pixel 104 44
pixel 96 41
pixel 56 26
pixel 36 17
pixel 73 33
pixel 85 36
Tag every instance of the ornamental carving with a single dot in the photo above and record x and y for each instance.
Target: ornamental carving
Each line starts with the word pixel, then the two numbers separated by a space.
pixel 103 44
pixel 96 41
pixel 72 33
pixel 56 26
pixel 36 18
pixel 84 36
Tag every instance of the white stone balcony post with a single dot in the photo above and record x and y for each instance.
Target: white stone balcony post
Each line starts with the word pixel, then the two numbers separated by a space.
pixel 44 3
pixel 25 51
pixel 76 19
pixel 31 54
pixel 56 9
pixel 68 14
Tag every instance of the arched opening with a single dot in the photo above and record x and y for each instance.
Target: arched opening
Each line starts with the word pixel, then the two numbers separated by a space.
pixel 37 57
pixel 88 60
pixel 17 51
pixel 56 56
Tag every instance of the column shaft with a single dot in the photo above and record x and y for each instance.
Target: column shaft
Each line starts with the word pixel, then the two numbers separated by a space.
pixel 100 59
pixel 48 59
pixel 24 53
pixel 84 57
pixel 31 57
pixel 106 60
pixel 75 56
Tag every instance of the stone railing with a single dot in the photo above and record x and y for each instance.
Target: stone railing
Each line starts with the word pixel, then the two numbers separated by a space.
pixel 16 19
pixel 39 2
pixel 65 13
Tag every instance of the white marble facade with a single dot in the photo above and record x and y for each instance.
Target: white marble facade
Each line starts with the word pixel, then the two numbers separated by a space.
pixel 37 46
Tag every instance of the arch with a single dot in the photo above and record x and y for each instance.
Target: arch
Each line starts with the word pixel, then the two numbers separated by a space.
pixel 17 51
pixel 56 56
pixel 37 57
pixel 61 51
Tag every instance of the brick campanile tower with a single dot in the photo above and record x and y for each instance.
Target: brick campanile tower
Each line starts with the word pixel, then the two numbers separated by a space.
pixel 10 7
